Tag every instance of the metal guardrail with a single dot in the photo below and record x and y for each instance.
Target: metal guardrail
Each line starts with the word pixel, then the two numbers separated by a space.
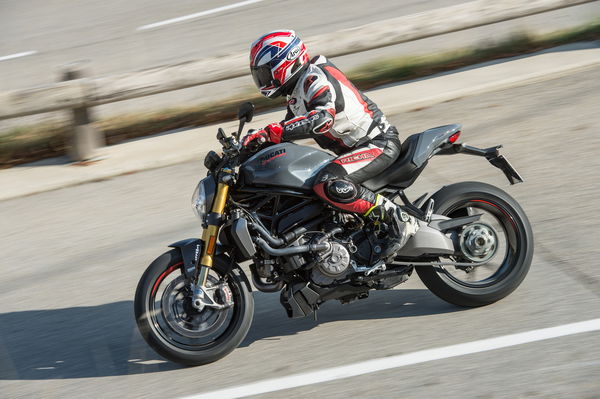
pixel 87 92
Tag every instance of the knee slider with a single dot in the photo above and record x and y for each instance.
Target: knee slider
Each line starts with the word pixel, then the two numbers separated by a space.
pixel 342 191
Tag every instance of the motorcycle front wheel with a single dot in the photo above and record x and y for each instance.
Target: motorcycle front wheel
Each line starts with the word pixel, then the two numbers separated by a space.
pixel 505 227
pixel 174 328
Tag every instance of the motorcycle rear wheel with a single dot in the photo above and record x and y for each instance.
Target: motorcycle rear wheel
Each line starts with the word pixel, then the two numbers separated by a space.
pixel 174 328
pixel 515 257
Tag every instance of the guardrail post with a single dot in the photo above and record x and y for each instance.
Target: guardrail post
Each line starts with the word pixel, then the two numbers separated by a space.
pixel 84 139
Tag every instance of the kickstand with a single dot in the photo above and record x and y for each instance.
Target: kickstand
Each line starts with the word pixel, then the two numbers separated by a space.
pixel 315 314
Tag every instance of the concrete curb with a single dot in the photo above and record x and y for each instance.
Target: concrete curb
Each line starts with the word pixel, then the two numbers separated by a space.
pixel 494 86
pixel 171 149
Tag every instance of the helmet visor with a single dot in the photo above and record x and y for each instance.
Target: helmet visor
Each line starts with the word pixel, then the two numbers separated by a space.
pixel 262 75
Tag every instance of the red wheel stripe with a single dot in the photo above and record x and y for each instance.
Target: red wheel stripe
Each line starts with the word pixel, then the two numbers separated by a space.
pixel 501 210
pixel 163 275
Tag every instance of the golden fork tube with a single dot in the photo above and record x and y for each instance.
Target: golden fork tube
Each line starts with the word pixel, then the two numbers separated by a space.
pixel 211 232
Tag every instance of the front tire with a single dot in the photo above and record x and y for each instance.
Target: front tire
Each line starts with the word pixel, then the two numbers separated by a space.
pixel 174 329
pixel 466 198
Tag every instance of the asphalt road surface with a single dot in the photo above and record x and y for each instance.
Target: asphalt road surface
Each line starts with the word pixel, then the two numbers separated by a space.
pixel 71 260
pixel 40 37
pixel 108 32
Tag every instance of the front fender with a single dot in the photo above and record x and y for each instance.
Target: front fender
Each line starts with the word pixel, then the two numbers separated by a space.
pixel 191 250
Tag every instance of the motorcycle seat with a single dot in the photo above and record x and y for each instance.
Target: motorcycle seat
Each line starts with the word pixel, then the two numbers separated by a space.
pixel 416 151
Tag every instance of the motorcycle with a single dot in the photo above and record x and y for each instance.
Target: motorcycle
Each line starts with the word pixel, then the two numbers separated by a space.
pixel 193 304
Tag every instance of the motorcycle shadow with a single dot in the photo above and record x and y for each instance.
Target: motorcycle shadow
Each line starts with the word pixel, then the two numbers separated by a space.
pixel 271 321
pixel 76 342
pixel 101 341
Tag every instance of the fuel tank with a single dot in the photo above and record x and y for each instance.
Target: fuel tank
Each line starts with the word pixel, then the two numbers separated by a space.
pixel 285 165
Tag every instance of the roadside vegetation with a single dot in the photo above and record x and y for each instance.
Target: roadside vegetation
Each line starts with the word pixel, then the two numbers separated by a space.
pixel 30 143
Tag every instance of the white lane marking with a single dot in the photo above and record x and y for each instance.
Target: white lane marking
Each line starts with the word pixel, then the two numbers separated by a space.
pixel 17 55
pixel 150 362
pixel 385 363
pixel 198 14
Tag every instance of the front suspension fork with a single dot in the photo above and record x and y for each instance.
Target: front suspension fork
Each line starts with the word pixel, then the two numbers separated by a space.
pixel 210 234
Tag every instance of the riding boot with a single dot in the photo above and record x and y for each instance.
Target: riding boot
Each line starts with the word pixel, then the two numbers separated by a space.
pixel 398 225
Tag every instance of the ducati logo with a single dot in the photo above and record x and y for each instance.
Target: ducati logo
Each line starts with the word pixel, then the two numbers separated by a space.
pixel 356 158
pixel 271 156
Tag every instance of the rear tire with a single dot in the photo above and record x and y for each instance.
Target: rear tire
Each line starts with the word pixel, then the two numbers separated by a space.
pixel 451 201
pixel 163 327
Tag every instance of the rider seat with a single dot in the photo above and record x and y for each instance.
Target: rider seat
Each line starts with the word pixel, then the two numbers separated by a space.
pixel 416 151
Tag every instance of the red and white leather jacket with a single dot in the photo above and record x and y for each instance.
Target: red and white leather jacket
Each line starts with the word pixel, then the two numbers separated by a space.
pixel 325 105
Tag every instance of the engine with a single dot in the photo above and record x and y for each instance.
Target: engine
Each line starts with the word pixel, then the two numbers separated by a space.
pixel 349 247
pixel 333 265
pixel 352 247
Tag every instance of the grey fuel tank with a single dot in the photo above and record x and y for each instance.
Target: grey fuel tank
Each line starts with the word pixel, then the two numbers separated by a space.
pixel 285 165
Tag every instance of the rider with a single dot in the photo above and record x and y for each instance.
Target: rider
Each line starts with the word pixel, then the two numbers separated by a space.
pixel 324 105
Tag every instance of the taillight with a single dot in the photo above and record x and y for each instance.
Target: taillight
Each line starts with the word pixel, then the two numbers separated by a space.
pixel 454 137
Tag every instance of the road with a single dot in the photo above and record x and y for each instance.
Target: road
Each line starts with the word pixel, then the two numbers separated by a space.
pixel 71 260
pixel 46 35
pixel 107 33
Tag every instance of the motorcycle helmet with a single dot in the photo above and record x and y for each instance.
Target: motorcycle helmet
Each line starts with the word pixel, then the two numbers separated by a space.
pixel 277 59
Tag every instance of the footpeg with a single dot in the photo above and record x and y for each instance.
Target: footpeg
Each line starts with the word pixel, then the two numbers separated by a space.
pixel 378 267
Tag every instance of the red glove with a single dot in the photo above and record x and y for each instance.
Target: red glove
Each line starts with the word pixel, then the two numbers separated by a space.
pixel 272 133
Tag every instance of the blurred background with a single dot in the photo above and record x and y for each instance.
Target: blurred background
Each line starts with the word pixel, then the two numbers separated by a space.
pixel 77 232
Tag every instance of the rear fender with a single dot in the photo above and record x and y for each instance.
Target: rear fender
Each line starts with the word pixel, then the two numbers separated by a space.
pixel 191 249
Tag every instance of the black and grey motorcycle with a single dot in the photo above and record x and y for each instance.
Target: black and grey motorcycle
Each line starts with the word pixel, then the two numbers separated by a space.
pixel 194 305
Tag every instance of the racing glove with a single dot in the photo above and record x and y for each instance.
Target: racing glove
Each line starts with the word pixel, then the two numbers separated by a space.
pixel 272 133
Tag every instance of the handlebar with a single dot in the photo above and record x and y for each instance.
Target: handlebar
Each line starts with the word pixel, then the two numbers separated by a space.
pixel 232 147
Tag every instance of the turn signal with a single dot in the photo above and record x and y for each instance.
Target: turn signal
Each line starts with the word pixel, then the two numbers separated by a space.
pixel 212 241
pixel 454 137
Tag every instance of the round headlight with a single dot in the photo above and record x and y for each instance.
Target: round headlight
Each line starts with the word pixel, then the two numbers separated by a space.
pixel 199 201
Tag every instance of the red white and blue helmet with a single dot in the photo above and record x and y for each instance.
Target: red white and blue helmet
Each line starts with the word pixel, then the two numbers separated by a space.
pixel 276 60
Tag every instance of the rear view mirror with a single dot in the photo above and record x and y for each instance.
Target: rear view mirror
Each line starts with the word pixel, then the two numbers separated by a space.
pixel 246 112
pixel 220 134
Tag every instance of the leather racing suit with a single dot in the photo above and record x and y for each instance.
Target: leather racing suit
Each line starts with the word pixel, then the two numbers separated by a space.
pixel 326 106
